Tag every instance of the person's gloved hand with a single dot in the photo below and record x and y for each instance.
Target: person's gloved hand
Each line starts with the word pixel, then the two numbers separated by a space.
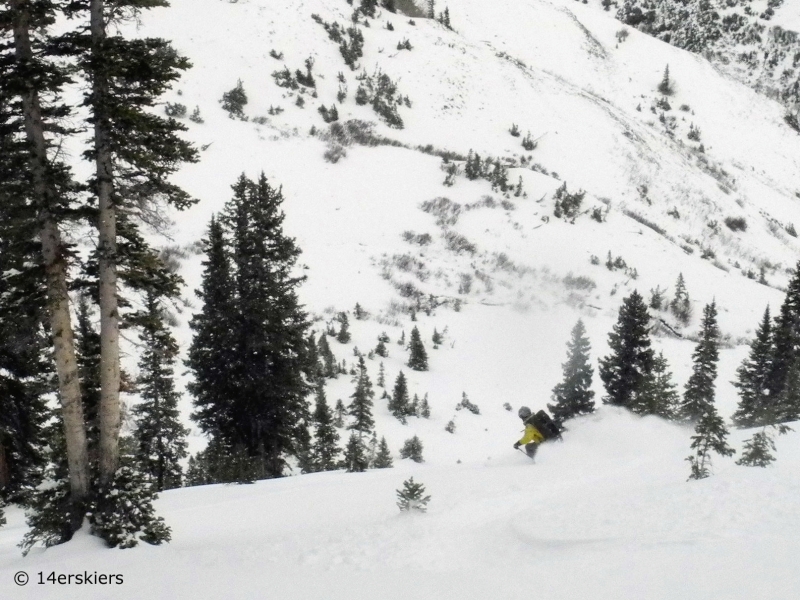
pixel 516 445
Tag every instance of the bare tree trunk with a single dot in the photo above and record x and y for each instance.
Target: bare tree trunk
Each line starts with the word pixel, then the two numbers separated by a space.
pixel 109 409
pixel 56 272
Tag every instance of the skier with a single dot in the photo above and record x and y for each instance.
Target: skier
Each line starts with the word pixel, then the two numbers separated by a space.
pixel 532 437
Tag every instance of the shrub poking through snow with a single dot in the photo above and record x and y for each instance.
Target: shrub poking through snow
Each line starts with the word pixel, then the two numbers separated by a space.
pixel 124 512
pixel 758 450
pixel 466 404
pixel 234 101
pixel 329 115
pixel 195 117
pixel 411 497
pixel 175 110
pixel 450 427
pixel 381 92
pixel 412 448
pixel 529 143
pixel 736 223
pixel 404 45
pixel 567 205
pixel 514 131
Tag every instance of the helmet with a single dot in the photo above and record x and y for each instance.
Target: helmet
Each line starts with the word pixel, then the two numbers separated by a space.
pixel 524 412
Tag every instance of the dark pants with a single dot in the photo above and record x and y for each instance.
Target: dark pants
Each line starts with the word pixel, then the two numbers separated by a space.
pixel 530 449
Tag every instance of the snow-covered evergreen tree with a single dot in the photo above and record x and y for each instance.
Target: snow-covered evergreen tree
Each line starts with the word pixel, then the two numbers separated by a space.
pixel 681 305
pixel 411 497
pixel 573 396
pixel 626 371
pixel 355 455
pixel 381 376
pixel 710 434
pixel 699 393
pixel 160 437
pixel 328 359
pixel 325 449
pixel 418 359
pixel 123 513
pixel 752 378
pixel 425 408
pixel 339 412
pixel 383 458
pixel 412 448
pixel 343 337
pixel 660 395
pixel 362 401
pixel 399 402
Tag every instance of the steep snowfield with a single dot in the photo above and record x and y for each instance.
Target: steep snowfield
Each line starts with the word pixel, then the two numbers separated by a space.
pixel 606 514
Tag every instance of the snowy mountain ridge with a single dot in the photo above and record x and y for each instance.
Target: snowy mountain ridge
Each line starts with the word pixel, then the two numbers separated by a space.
pixel 605 514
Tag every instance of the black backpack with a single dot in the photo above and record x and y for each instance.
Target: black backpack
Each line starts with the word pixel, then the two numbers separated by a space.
pixel 546 426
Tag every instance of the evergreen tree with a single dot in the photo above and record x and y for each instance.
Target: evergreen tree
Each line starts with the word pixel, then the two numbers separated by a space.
pixel 436 338
pixel 124 513
pixel 159 434
pixel 249 361
pixel 212 351
pixel 626 371
pixel 133 151
pixel 2 514
pixel 381 377
pixel 710 435
pixel 699 393
pixel 411 498
pixel 314 369
pixel 412 448
pixel 87 346
pixel 338 414
pixel 381 350
pixel 328 359
pixel 383 459
pixel 361 404
pixel 197 471
pixel 431 9
pixel 399 401
pixel 343 337
pixel 425 408
pixel 25 360
pixel 660 396
pixel 270 413
pixel 418 360
pixel 665 87
pixel 681 305
pixel 36 189
pixel 355 459
pixel 573 396
pixel 752 378
pixel 325 450
pixel 234 101
pixel 757 451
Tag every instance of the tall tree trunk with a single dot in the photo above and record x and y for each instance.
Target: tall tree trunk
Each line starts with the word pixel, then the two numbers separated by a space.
pixel 56 271
pixel 5 471
pixel 109 409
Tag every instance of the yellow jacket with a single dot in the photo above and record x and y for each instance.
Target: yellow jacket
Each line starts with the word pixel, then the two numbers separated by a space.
pixel 531 435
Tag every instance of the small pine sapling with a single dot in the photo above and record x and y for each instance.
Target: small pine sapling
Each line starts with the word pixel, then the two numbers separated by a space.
pixel 411 497
pixel 529 143
pixel 195 116
pixel 681 305
pixel 412 448
pixel 514 131
pixel 338 414
pixel 450 427
pixel 381 350
pixel 436 338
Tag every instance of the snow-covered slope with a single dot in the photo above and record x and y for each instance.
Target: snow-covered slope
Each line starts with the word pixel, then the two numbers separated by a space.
pixel 607 513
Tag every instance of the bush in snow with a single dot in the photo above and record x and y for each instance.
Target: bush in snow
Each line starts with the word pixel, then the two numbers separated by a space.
pixel 404 45
pixel 566 204
pixel 51 516
pixel 450 427
pixel 465 403
pixel 334 153
pixel 514 131
pixel 411 497
pixel 175 109
pixel 529 143
pixel 412 448
pixel 234 101
pixel 124 512
pixel 195 116
pixel 329 115
pixel 736 223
